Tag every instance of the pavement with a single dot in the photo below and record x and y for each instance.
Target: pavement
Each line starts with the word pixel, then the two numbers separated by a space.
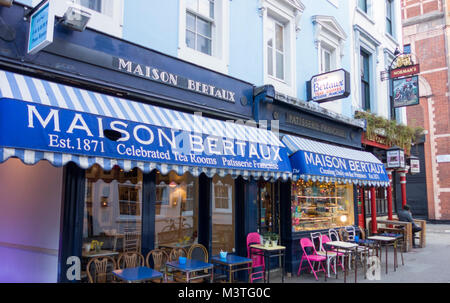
pixel 430 264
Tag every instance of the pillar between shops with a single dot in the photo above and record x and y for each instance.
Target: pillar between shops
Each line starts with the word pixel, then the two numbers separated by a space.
pixel 373 205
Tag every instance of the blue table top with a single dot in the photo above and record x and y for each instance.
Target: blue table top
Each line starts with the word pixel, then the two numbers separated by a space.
pixel 190 265
pixel 137 274
pixel 231 259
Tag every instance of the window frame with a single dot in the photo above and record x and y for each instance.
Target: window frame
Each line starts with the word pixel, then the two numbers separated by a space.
pixel 275 51
pixel 365 58
pixel 390 17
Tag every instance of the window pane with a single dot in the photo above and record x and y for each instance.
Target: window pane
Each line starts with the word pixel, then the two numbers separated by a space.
pixel 223 215
pixel 190 22
pixel 279 37
pixel 204 27
pixel 204 45
pixel 95 5
pixel 280 65
pixel 270 61
pixel 326 61
pixel 176 220
pixel 113 210
pixel 190 39
pixel 363 5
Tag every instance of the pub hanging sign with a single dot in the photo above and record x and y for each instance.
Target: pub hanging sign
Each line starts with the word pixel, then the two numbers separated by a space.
pixel 329 86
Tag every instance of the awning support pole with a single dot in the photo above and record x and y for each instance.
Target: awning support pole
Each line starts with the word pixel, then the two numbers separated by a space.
pixel 373 205
pixel 389 195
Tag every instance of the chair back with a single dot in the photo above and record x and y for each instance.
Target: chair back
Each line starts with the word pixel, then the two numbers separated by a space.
pixel 177 252
pixel 324 239
pixel 198 252
pixel 333 234
pixel 351 232
pixel 307 243
pixel 132 241
pixel 99 269
pixel 159 258
pixel 343 234
pixel 254 238
pixel 316 239
pixel 362 233
pixel 130 260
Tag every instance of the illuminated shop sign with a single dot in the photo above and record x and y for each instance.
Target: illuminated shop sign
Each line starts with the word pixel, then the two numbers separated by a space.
pixel 329 86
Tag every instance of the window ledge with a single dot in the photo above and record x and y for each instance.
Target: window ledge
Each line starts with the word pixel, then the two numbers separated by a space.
pixel 365 15
pixel 204 60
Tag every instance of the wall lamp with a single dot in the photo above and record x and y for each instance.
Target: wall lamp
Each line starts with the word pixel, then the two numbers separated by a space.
pixel 7 3
pixel 75 18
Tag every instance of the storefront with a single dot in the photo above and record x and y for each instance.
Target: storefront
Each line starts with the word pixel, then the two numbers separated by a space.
pixel 100 141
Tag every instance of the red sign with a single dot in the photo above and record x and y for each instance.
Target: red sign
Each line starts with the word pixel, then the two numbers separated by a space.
pixel 405 71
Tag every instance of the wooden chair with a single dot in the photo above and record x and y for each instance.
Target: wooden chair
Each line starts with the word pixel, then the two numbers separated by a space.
pixel 130 260
pixel 175 253
pixel 132 241
pixel 99 270
pixel 158 258
pixel 200 253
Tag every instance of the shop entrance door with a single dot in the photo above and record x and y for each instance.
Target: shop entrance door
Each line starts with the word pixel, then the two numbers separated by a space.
pixel 268 208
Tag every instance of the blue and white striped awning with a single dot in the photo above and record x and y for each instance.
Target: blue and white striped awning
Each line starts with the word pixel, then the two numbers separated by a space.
pixel 42 92
pixel 317 161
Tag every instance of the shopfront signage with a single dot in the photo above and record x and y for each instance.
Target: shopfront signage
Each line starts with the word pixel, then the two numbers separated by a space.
pixel 42 23
pixel 44 128
pixel 406 91
pixel 405 71
pixel 329 86
pixel 315 125
pixel 162 76
pixel 309 163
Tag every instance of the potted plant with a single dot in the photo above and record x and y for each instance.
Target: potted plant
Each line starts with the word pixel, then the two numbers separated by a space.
pixel 266 238
pixel 274 239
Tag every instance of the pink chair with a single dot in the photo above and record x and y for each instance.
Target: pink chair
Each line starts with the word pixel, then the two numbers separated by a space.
pixel 258 260
pixel 312 257
pixel 332 254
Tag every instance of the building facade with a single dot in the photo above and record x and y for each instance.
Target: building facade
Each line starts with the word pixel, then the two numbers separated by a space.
pixel 426 36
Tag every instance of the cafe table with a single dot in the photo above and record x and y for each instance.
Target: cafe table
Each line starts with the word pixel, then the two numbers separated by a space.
pixel 386 242
pixel 268 253
pixel 138 274
pixel 233 264
pixel 345 248
pixel 192 266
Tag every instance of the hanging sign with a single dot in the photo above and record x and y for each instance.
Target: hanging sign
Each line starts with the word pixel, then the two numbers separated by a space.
pixel 395 158
pixel 329 86
pixel 415 166
pixel 405 71
pixel 44 128
pixel 309 163
pixel 406 91
pixel 42 23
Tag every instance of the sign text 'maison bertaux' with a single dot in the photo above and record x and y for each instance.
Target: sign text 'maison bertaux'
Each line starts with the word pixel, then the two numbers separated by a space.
pixel 162 76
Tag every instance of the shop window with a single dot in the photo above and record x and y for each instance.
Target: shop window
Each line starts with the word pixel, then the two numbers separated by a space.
pixel 176 207
pixel 268 208
pixel 223 227
pixel 318 205
pixel 380 201
pixel 112 213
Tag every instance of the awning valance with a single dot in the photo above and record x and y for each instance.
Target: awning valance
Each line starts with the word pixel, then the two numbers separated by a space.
pixel 317 161
pixel 45 120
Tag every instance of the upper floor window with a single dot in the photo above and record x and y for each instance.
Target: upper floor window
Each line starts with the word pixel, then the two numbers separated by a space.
pixel 199 25
pixel 362 4
pixel 275 48
pixel 389 16
pixel 407 49
pixel 326 61
pixel 365 80
pixel 95 5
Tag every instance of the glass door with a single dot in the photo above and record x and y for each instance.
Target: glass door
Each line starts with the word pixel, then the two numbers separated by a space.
pixel 268 208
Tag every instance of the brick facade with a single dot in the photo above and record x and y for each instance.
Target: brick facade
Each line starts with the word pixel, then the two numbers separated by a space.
pixel 424 28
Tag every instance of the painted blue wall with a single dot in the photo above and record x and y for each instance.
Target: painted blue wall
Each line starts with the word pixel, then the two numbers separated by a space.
pixel 152 24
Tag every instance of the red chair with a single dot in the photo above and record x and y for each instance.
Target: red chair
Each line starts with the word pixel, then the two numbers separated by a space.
pixel 312 257
pixel 258 260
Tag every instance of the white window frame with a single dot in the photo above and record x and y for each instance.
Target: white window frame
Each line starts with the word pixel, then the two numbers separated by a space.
pixel 109 24
pixel 275 51
pixel 219 59
pixel 283 13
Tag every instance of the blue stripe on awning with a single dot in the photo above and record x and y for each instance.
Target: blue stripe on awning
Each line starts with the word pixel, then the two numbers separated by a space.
pixel 71 98
pixel 317 161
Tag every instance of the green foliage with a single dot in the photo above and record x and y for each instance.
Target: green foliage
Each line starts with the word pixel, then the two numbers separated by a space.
pixel 392 133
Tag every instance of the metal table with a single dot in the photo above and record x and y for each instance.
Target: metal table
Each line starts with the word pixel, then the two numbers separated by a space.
pixel 138 274
pixel 192 266
pixel 234 264
pixel 267 253
pixel 386 241
pixel 343 247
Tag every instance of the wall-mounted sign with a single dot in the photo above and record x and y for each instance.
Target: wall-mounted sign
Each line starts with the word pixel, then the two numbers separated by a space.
pixel 415 166
pixel 405 71
pixel 42 23
pixel 406 91
pixel 162 76
pixel 329 86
